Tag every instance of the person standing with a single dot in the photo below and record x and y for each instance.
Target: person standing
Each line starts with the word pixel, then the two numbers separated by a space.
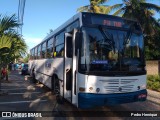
pixel 4 73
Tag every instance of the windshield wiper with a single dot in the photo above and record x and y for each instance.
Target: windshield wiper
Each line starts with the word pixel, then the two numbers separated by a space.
pixel 129 34
pixel 108 37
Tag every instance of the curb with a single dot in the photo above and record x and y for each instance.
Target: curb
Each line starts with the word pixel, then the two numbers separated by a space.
pixel 153 96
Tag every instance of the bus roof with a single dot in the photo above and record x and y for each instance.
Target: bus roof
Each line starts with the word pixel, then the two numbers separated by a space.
pixel 79 16
pixel 72 19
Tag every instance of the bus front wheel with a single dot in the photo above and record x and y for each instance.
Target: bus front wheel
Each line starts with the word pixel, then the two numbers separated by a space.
pixel 55 85
pixel 56 90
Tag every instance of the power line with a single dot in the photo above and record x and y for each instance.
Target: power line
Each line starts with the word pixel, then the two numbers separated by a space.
pixel 21 8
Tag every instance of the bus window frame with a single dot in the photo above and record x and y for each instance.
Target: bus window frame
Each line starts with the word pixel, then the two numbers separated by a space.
pixel 50 46
pixel 57 44
pixel 39 52
pixel 44 49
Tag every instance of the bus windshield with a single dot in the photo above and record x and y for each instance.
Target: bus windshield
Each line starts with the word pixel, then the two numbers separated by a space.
pixel 106 49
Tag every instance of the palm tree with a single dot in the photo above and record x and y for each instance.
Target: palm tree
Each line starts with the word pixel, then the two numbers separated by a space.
pixel 8 23
pixel 5 45
pixel 11 43
pixel 95 6
pixel 18 48
pixel 140 10
pixel 6 28
pixel 5 41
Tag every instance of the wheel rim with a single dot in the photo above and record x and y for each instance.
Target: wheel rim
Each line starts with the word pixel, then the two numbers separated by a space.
pixel 57 90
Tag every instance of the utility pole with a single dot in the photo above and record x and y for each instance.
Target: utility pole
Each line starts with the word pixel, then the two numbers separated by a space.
pixel 21 8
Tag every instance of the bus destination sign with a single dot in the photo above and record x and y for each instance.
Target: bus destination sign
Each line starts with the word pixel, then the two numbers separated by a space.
pixel 109 21
pixel 112 23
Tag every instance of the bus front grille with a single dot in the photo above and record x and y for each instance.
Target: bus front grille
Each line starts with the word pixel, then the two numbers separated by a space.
pixel 118 85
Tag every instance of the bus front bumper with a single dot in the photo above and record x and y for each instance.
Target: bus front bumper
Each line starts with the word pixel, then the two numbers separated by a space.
pixel 89 100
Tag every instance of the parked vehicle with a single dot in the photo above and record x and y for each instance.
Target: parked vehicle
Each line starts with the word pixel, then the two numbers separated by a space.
pixel 92 60
pixel 18 66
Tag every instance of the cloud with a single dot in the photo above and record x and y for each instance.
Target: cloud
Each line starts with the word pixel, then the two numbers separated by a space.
pixel 31 41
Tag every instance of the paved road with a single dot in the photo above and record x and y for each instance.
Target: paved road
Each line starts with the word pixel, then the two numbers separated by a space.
pixel 24 96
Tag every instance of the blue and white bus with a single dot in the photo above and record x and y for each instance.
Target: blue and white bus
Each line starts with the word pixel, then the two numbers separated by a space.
pixel 93 60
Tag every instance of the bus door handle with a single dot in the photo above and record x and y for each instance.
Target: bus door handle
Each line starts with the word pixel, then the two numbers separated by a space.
pixel 67 70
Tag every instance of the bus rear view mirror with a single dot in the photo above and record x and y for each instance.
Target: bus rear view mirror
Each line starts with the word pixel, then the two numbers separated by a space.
pixel 77 42
pixel 69 47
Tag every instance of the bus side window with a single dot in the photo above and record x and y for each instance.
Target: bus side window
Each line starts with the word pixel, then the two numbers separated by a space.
pixel 33 54
pixel 50 48
pixel 43 53
pixel 69 48
pixel 59 50
pixel 39 52
pixel 59 45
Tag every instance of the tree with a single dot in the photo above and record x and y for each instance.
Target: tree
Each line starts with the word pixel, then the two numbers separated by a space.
pixel 18 49
pixel 95 6
pixel 50 31
pixel 26 59
pixel 152 45
pixel 142 11
pixel 11 43
pixel 6 28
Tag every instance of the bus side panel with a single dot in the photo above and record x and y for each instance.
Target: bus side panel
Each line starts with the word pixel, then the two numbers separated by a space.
pixel 57 65
pixel 41 74
pixel 47 72
pixel 50 67
pixel 30 62
pixel 58 69
pixel 40 70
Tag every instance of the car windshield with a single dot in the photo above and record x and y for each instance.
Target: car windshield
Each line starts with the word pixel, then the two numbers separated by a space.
pixel 110 50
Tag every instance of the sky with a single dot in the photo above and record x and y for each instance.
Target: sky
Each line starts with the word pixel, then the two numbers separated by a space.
pixel 42 15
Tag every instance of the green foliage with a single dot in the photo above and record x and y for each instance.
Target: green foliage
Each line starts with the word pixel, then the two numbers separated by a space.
pixel 5 41
pixel 141 11
pixel 152 45
pixel 8 23
pixel 26 59
pixel 95 6
pixel 12 44
pixel 153 82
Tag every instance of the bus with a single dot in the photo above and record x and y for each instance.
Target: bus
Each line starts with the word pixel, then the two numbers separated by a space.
pixel 92 60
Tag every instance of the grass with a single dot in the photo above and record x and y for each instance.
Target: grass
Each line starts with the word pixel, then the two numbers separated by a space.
pixel 153 82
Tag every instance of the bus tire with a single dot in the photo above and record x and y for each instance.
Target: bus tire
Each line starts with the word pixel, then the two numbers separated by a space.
pixel 55 85
pixel 52 84
pixel 56 91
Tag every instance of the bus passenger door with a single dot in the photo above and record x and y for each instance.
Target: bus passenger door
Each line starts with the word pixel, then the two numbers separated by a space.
pixel 68 67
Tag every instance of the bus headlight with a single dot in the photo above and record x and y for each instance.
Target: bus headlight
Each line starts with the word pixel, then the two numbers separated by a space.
pixel 81 89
